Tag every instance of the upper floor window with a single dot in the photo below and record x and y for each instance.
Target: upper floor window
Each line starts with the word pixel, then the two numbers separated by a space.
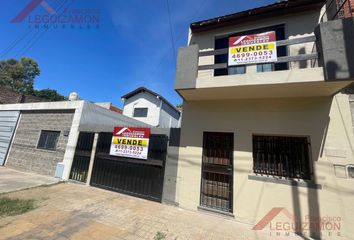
pixel 265 67
pixel 282 156
pixel 140 112
pixel 223 42
pixel 48 140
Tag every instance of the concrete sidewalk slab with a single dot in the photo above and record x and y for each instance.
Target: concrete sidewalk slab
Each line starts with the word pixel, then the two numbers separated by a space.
pixel 13 180
pixel 75 211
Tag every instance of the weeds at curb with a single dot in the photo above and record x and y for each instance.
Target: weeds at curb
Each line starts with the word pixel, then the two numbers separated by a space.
pixel 12 207
pixel 160 236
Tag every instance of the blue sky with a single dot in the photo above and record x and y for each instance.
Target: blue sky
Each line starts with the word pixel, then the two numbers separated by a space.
pixel 131 48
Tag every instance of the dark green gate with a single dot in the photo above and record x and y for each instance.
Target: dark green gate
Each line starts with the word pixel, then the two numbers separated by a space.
pixel 142 178
pixel 81 162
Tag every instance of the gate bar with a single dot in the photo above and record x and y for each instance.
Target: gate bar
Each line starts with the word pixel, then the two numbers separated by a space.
pixel 92 159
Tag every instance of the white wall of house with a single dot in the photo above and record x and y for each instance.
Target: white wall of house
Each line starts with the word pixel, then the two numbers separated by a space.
pixel 325 120
pixel 143 100
pixel 215 106
pixel 160 114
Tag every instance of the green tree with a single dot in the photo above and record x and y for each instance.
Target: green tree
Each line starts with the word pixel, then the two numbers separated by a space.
pixel 19 75
pixel 49 94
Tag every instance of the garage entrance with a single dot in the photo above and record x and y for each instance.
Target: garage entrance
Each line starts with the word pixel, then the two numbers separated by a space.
pixel 141 178
pixel 8 121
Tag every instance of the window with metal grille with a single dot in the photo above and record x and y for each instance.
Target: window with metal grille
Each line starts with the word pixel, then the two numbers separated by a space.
pixel 48 140
pixel 282 156
pixel 140 112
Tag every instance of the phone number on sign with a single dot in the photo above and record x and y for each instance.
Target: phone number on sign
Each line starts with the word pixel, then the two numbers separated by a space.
pixel 250 56
pixel 131 150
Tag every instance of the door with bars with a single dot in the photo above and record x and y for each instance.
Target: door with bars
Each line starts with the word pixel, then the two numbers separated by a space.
pixel 217 171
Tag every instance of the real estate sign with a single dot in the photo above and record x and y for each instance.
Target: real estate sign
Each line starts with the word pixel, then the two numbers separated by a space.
pixel 130 142
pixel 254 48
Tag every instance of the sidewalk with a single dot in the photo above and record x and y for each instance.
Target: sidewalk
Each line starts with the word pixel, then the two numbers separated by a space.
pixel 13 180
pixel 73 211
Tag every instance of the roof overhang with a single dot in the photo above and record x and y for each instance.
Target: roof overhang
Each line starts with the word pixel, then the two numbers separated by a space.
pixel 276 9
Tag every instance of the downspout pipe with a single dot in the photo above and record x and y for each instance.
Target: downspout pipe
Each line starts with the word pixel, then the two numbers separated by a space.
pixel 158 124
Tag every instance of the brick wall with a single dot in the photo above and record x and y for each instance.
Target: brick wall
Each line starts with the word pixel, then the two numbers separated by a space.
pixel 7 96
pixel 347 9
pixel 24 154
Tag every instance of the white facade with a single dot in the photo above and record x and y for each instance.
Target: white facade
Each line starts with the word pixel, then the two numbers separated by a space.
pixel 159 113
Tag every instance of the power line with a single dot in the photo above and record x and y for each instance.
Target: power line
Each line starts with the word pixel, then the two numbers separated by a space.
pixel 171 30
pixel 40 35
pixel 15 43
pixel 28 44
pixel 179 36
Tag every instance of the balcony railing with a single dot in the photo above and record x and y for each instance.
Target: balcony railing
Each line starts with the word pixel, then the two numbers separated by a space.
pixel 285 59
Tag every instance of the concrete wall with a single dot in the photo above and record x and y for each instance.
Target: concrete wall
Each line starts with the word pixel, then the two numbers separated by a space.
pixel 326 120
pixel 24 154
pixel 169 118
pixel 336 48
pixel 170 194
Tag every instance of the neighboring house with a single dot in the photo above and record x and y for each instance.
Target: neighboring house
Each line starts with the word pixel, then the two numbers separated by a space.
pixel 110 106
pixel 151 108
pixel 8 96
pixel 261 136
pixel 41 137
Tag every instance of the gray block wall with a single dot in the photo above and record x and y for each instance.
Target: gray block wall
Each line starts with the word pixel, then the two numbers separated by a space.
pixel 187 67
pixel 336 49
pixel 24 154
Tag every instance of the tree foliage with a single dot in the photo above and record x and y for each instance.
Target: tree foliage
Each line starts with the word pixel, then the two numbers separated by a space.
pixel 20 76
pixel 49 94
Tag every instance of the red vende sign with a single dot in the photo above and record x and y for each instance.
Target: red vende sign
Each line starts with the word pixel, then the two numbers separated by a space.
pixel 131 132
pixel 252 39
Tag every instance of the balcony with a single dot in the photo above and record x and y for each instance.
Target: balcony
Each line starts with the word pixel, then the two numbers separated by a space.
pixel 321 72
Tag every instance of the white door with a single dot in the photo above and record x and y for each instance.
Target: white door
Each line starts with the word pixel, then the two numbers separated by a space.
pixel 8 121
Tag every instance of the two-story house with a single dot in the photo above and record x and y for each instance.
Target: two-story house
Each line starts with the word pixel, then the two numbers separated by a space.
pixel 149 107
pixel 263 133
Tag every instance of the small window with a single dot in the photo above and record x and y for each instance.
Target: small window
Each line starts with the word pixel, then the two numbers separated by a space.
pixel 350 169
pixel 265 67
pixel 281 156
pixel 237 70
pixel 140 112
pixel 48 140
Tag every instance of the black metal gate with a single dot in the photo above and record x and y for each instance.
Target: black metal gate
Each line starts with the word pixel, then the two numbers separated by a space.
pixel 81 162
pixel 217 171
pixel 142 178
